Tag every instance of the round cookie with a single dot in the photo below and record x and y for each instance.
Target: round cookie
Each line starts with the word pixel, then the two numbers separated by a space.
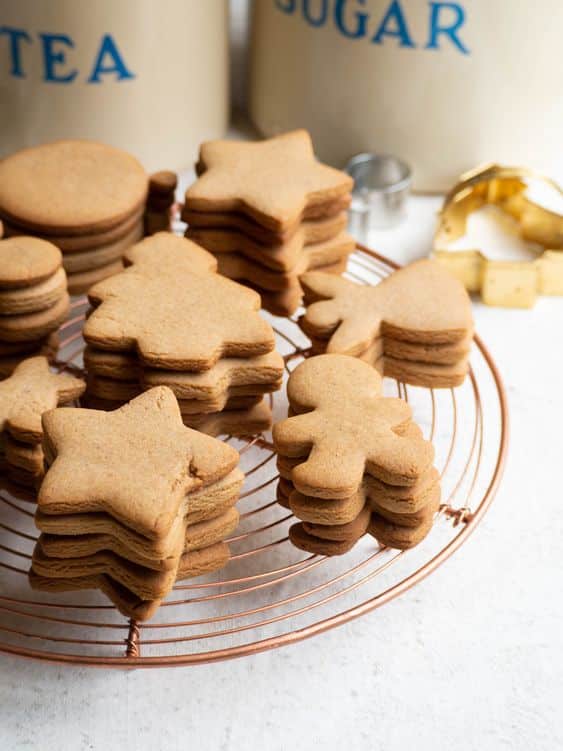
pixel 35 298
pixel 30 326
pixel 77 243
pixel 87 260
pixel 71 187
pixel 27 260
pixel 80 283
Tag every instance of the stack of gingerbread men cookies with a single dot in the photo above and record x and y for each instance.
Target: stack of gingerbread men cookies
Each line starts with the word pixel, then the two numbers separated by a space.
pixel 352 461
pixel 269 212
pixel 86 198
pixel 132 501
pixel 33 300
pixel 416 325
pixel 25 396
pixel 169 319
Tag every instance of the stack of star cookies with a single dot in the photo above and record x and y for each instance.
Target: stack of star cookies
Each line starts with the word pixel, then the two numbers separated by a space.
pixel 269 212
pixel 160 200
pixel 133 502
pixel 170 320
pixel 33 300
pixel 416 325
pixel 86 198
pixel 352 462
pixel 25 396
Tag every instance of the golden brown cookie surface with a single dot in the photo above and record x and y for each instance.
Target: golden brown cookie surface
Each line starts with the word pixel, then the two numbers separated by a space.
pixel 136 463
pixel 275 181
pixel 26 261
pixel 343 428
pixel 71 187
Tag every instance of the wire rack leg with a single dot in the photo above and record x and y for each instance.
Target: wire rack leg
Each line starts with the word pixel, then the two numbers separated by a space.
pixel 133 640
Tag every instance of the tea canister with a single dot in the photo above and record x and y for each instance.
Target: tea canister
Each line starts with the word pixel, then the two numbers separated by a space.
pixel 148 77
pixel 443 85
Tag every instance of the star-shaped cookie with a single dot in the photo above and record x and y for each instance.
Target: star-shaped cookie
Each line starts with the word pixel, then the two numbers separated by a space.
pixel 275 181
pixel 421 303
pixel 175 311
pixel 31 390
pixel 343 427
pixel 136 463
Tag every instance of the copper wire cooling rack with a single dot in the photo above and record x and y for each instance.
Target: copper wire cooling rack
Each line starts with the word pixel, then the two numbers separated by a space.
pixel 270 594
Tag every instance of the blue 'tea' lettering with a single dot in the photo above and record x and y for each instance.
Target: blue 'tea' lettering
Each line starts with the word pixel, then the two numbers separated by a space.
pixel 53 58
pixel 15 36
pixel 436 29
pixel 358 30
pixel 115 63
pixel 398 30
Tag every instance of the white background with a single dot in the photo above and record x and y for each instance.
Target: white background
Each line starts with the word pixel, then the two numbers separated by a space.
pixel 471 659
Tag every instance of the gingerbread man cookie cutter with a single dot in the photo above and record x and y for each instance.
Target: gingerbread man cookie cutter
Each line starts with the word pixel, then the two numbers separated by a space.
pixel 503 282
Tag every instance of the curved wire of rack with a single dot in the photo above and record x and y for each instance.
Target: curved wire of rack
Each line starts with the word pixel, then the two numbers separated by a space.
pixel 270 594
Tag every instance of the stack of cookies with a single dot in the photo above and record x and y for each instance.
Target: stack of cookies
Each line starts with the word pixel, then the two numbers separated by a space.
pixel 133 502
pixel 86 198
pixel 170 319
pixel 352 462
pixel 416 325
pixel 25 396
pixel 33 300
pixel 160 200
pixel 269 212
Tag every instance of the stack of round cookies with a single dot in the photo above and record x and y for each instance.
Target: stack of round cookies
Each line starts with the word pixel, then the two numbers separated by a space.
pixel 86 198
pixel 33 300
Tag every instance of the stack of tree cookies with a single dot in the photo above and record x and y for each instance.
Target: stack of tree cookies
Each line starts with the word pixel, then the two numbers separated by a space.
pixel 170 319
pixel 25 396
pixel 416 325
pixel 269 212
pixel 133 502
pixel 160 200
pixel 33 300
pixel 351 461
pixel 86 198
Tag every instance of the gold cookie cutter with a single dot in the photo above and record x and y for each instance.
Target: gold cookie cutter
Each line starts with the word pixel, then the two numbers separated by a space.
pixel 513 284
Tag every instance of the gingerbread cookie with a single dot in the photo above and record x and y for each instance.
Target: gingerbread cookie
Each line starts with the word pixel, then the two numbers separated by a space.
pixel 34 326
pixel 318 545
pixel 280 256
pixel 317 230
pixel 27 261
pixel 82 242
pixel 293 186
pixel 146 445
pixel 9 361
pixel 340 412
pixel 31 391
pixel 74 535
pixel 71 187
pixel 332 253
pixel 146 311
pixel 80 282
pixel 197 536
pixel 421 303
pixel 191 564
pixel 37 297
pixel 94 258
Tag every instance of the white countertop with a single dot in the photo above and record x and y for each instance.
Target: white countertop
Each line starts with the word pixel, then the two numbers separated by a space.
pixel 470 659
